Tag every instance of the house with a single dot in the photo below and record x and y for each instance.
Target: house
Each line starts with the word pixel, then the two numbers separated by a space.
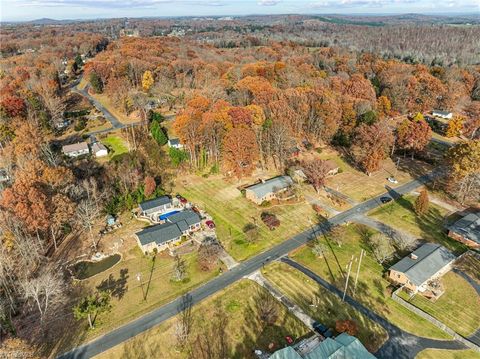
pixel 442 114
pixel 76 149
pixel 61 124
pixel 154 207
pixel 268 190
pixel 175 143
pixel 294 151
pixel 428 262
pixel 99 150
pixel 343 346
pixel 159 236
pixel 188 221
pixel 467 230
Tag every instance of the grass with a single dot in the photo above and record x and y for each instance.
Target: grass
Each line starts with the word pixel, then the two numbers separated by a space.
pixel 243 331
pixel 127 292
pixel 231 212
pixel 372 287
pixel 470 265
pixel 458 307
pixel 448 354
pixel 116 146
pixel 400 214
pixel 322 305
pixel 120 116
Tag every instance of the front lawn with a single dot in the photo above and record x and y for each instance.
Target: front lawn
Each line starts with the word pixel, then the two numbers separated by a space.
pixel 372 287
pixel 448 354
pixel 231 315
pixel 321 304
pixel 431 226
pixel 458 307
pixel 232 212
pixel 116 146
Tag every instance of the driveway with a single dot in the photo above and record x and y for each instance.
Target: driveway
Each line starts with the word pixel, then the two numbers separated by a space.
pixel 400 344
pixel 390 232
pixel 245 268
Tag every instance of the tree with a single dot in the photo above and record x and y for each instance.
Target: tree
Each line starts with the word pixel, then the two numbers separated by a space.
pixel 177 156
pixel 158 133
pixel 455 127
pixel 96 82
pixel 319 249
pixel 240 151
pixel 316 171
pixel 414 135
pixel 91 306
pixel 382 249
pixel 147 81
pixel 179 269
pixel 371 144
pixel 208 254
pixel 12 106
pixel 183 327
pixel 422 203
pixel 346 326
pixel 150 186
pixel 267 307
pixel 87 212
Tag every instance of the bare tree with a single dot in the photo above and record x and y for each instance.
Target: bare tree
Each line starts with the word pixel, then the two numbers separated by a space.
pixel 267 307
pixel 319 249
pixel 316 171
pixel 87 212
pixel 179 269
pixel 382 249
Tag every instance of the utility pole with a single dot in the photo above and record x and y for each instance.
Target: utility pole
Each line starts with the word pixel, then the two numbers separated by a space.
pixel 348 277
pixel 139 278
pixel 358 271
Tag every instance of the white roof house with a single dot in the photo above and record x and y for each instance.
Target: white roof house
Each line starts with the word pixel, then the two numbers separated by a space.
pixel 76 149
pixel 175 143
pixel 99 150
pixel 442 114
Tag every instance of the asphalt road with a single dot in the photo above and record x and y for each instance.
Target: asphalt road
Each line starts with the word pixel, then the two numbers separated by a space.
pixel 245 268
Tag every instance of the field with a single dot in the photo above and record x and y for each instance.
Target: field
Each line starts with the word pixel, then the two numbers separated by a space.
pixel 232 212
pixel 231 314
pixel 372 287
pixel 447 354
pixel 400 214
pixel 458 307
pixel 322 305
pixel 116 146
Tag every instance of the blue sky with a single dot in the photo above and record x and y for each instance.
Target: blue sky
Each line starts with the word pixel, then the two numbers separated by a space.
pixel 12 10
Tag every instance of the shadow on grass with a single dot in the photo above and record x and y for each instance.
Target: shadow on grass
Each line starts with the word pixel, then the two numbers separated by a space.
pixel 117 287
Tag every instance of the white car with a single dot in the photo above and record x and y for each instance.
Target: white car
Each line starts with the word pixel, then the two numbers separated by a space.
pixel 392 180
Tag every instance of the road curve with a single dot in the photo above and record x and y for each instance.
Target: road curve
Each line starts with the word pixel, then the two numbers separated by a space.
pixel 245 268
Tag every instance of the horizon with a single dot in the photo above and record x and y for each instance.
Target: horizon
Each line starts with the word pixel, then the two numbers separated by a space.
pixel 84 10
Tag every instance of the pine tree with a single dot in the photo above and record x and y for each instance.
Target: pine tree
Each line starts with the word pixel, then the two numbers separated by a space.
pixel 158 133
pixel 422 203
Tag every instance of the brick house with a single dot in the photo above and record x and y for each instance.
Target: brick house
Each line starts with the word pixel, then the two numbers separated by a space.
pixel 467 230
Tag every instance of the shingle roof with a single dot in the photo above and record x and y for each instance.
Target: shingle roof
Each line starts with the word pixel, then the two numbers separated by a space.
pixel 154 203
pixel 174 141
pixel 185 218
pixel 159 234
pixel 97 146
pixel 271 186
pixel 468 227
pixel 75 147
pixel 442 113
pixel 431 258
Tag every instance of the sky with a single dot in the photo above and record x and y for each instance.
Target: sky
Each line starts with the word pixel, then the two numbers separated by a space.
pixel 19 10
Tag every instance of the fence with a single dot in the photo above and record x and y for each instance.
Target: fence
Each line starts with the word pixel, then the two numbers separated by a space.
pixel 434 321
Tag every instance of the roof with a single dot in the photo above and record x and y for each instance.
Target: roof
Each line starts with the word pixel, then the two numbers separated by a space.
pixel 79 146
pixel 431 258
pixel 154 203
pixel 184 219
pixel 468 227
pixel 174 142
pixel 271 186
pixel 442 113
pixel 97 146
pixel 159 234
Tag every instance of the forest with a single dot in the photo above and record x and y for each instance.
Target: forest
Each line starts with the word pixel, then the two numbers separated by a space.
pixel 243 98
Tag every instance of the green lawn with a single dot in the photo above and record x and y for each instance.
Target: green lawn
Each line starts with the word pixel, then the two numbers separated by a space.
pixel 322 305
pixel 458 307
pixel 243 330
pixel 447 354
pixel 400 214
pixel 116 146
pixel 372 287
pixel 231 212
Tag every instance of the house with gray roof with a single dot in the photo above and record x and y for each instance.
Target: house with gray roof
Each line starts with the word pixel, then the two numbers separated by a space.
pixel 76 149
pixel 428 262
pixel 187 221
pixel 442 114
pixel 175 143
pixel 159 236
pixel 153 208
pixel 268 190
pixel 343 346
pixel 467 230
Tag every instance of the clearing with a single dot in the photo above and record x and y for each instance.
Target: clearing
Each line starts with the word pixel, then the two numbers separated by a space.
pixel 232 315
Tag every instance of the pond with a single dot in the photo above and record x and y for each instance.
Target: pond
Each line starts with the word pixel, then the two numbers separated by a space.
pixel 87 269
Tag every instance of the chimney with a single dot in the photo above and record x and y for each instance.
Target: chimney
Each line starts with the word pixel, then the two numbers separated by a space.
pixel 413 256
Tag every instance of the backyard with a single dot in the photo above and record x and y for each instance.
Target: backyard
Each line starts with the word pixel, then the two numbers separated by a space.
pixel 231 314
pixel 431 226
pixel 372 289
pixel 458 307
pixel 232 213
pixel 322 305
pixel 116 146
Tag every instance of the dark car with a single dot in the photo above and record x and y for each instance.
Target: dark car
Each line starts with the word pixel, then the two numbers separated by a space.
pixel 320 328
pixel 385 199
pixel 328 333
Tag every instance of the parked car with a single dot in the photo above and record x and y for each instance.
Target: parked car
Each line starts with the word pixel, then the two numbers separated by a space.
pixel 270 220
pixel 210 224
pixel 289 339
pixel 328 333
pixel 392 180
pixel 385 199
pixel 320 328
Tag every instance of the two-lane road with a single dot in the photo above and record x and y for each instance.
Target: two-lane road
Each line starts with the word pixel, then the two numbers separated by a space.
pixel 245 268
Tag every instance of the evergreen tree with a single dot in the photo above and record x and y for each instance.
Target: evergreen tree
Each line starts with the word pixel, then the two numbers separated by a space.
pixel 158 133
pixel 96 82
pixel 92 305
